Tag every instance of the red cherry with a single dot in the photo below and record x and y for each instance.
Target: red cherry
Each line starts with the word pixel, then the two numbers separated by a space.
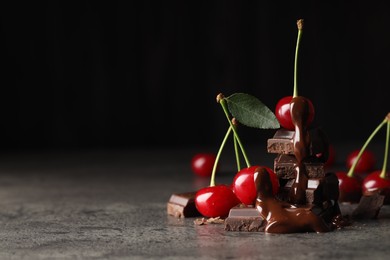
pixel 365 164
pixel 374 182
pixel 244 184
pixel 202 164
pixel 349 187
pixel 215 201
pixel 283 114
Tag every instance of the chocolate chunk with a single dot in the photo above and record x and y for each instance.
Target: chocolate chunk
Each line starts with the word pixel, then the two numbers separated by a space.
pixel 284 167
pixel 319 190
pixel 182 205
pixel 244 219
pixel 327 190
pixel 369 206
pixel 282 143
pixel 284 191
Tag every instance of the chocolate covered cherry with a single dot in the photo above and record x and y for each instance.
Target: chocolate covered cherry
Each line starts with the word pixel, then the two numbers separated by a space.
pixel 283 112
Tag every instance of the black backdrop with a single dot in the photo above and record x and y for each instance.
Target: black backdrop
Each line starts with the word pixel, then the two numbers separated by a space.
pixel 89 74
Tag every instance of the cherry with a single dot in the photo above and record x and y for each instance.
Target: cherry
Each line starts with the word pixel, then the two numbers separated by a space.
pixel 215 201
pixel 349 188
pixel 244 184
pixel 283 106
pixel 283 114
pixel 202 164
pixel 374 182
pixel 366 162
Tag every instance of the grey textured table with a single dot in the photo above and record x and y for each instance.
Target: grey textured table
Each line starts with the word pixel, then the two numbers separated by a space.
pixel 112 205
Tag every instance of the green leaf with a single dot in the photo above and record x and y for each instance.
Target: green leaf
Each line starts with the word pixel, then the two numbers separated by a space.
pixel 250 111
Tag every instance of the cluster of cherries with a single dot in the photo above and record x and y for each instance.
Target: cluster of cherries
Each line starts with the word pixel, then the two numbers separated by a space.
pixel 362 177
pixel 217 200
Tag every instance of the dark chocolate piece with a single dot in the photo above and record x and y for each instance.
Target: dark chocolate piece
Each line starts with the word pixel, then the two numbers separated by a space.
pixel 285 165
pixel 318 190
pixel 311 187
pixel 327 190
pixel 182 205
pixel 283 143
pixel 244 219
pixel 369 206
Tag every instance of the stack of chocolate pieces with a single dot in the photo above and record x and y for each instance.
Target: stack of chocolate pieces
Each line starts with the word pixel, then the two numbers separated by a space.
pixel 285 164
pixel 322 190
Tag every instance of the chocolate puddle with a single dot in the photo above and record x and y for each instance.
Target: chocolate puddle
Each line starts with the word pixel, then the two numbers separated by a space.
pixel 283 217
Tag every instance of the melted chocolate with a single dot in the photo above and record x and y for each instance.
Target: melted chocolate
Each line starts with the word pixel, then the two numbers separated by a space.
pixel 283 217
pixel 299 108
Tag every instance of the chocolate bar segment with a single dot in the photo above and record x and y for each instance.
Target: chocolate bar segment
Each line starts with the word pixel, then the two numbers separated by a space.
pixel 244 219
pixel 284 167
pixel 369 206
pixel 182 205
pixel 283 143
pixel 319 190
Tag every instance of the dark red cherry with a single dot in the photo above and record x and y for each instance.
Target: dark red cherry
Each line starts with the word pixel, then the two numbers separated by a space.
pixel 202 164
pixel 283 114
pixel 350 188
pixel 244 184
pixel 375 183
pixel 365 164
pixel 215 201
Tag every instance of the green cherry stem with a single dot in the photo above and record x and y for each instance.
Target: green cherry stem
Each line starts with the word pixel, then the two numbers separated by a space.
pixel 300 30
pixel 384 167
pixel 212 179
pixel 222 101
pixel 236 148
pixel 351 170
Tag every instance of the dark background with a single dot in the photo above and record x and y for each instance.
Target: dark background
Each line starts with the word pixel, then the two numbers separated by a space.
pixel 120 74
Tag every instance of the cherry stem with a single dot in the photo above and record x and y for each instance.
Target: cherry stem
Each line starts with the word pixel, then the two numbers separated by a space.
pixel 383 173
pixel 222 101
pixel 212 180
pixel 300 29
pixel 237 155
pixel 351 170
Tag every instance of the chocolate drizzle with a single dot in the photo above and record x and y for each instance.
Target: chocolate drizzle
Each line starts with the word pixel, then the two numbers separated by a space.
pixel 299 108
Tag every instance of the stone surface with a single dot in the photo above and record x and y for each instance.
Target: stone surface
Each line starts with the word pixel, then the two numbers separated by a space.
pixel 112 205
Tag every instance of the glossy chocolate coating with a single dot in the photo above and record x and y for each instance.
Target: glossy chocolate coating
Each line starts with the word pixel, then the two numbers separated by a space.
pixel 284 217
pixel 299 108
